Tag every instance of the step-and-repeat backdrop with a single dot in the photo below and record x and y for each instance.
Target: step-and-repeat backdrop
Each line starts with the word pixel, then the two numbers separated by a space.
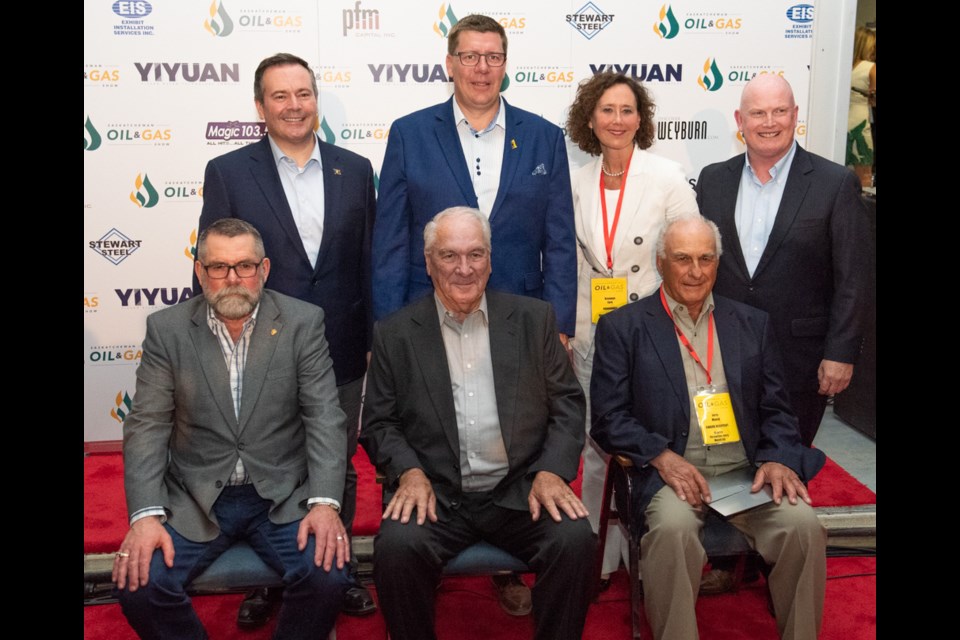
pixel 169 85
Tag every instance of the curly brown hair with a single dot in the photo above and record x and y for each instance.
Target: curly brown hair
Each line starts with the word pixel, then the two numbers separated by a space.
pixel 588 95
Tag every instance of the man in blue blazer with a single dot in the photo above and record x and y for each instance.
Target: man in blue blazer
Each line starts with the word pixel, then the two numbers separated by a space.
pixel 797 245
pixel 476 150
pixel 657 361
pixel 314 204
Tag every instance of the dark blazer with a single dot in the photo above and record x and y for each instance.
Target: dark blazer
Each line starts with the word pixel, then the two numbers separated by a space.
pixel 424 172
pixel 409 418
pixel 811 276
pixel 245 184
pixel 641 406
pixel 182 437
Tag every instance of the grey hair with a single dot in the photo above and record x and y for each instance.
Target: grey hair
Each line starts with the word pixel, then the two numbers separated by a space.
pixel 430 231
pixel 687 217
pixel 230 228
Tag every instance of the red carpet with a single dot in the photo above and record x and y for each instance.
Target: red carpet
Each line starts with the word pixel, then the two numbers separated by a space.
pixel 467 610
pixel 467 607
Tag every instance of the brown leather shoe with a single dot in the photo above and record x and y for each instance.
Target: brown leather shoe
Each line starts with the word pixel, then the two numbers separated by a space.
pixel 716 581
pixel 514 595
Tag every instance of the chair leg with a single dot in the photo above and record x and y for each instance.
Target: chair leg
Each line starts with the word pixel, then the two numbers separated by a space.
pixel 636 589
pixel 605 515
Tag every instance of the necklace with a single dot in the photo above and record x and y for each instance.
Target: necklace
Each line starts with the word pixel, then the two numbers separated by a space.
pixel 603 167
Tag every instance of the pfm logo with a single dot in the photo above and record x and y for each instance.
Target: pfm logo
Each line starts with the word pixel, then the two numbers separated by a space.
pixel 360 19
pixel 219 23
pixel 187 72
pixel 667 27
pixel 91 137
pixel 446 20
pixel 114 246
pixel 121 407
pixel 589 20
pixel 712 79
pixel 145 195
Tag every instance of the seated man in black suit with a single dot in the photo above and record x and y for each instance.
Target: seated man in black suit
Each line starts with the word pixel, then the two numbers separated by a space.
pixel 658 362
pixel 475 416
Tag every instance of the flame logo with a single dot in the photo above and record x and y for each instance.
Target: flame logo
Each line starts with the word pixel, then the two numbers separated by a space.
pixel 219 24
pixel 191 251
pixel 144 201
pixel 712 79
pixel 446 22
pixel 328 135
pixel 122 408
pixel 668 27
pixel 91 137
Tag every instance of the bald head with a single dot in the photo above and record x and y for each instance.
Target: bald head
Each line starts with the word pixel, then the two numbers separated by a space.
pixel 767 119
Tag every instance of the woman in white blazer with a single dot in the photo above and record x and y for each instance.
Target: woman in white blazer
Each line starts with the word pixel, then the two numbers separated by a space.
pixel 621 200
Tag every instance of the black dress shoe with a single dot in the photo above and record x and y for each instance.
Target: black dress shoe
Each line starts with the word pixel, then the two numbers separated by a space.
pixel 258 607
pixel 358 601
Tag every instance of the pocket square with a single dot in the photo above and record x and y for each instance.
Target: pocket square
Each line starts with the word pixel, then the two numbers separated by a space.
pixel 541 170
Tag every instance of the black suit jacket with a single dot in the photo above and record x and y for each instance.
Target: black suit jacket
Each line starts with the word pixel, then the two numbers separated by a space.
pixel 640 404
pixel 811 276
pixel 245 184
pixel 409 418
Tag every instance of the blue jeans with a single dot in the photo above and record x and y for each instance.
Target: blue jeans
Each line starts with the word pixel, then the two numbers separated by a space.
pixel 312 598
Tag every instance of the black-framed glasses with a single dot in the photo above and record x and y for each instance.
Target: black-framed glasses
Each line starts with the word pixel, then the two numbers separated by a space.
pixel 219 271
pixel 471 59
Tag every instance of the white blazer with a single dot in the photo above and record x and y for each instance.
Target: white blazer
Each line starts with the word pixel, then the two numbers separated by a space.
pixel 657 190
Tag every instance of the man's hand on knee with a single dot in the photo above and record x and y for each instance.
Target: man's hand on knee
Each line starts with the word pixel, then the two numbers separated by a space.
pixel 782 480
pixel 131 565
pixel 332 543
pixel 414 492
pixel 688 483
pixel 552 493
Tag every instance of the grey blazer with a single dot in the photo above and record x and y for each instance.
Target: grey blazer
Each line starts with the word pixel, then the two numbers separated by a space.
pixel 182 438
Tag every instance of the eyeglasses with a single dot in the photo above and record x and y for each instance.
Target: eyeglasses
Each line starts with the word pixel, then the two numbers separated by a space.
pixel 471 59
pixel 219 271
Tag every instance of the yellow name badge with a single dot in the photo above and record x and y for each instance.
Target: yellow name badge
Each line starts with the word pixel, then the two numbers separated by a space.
pixel 715 417
pixel 607 294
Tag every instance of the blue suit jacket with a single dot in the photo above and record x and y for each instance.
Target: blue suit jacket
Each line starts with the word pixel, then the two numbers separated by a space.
pixel 641 406
pixel 245 184
pixel 534 241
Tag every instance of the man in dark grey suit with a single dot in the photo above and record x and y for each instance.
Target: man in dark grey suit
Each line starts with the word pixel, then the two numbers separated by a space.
pixel 474 414
pixel 796 238
pixel 235 433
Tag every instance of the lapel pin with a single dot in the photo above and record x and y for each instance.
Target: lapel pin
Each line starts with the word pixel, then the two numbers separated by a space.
pixel 513 143
pixel 337 172
pixel 273 332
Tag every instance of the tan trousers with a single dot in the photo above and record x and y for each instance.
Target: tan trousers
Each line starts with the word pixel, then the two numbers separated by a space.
pixel 672 558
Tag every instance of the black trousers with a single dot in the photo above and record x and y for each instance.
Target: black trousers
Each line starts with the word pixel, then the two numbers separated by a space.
pixel 409 558
pixel 809 407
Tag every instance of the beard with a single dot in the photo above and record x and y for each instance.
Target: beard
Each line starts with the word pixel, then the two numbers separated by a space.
pixel 234 303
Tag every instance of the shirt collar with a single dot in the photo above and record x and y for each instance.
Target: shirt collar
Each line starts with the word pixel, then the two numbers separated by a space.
pixel 443 314
pixel 781 168
pixel 279 155
pixel 499 120
pixel 682 314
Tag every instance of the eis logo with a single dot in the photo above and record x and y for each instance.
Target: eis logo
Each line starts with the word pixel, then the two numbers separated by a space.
pixel 144 195
pixel 446 20
pixel 711 79
pixel 121 407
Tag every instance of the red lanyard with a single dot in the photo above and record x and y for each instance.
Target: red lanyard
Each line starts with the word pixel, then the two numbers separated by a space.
pixel 609 235
pixel 686 343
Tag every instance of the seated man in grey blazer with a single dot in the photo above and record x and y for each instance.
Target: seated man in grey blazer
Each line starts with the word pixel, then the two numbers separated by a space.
pixel 474 414
pixel 235 433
